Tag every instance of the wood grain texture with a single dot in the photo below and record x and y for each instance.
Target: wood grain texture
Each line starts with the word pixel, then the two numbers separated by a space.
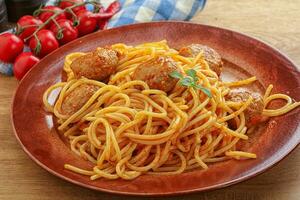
pixel 274 21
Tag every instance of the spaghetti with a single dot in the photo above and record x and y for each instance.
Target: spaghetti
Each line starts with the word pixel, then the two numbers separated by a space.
pixel 127 129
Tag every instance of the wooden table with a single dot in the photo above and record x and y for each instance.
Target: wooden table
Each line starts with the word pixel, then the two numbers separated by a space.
pixel 274 21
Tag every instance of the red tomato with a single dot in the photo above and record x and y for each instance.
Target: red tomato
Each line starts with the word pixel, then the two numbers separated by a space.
pixel 64 4
pixel 87 23
pixel 10 47
pixel 48 43
pixel 24 62
pixel 44 15
pixel 27 25
pixel 69 32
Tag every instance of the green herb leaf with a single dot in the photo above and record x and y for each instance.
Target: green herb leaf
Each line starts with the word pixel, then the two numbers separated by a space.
pixel 204 90
pixel 190 80
pixel 186 81
pixel 192 73
pixel 176 74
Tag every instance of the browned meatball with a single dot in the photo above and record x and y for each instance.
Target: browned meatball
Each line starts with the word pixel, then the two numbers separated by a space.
pixel 253 113
pixel 97 65
pixel 210 55
pixel 155 73
pixel 77 98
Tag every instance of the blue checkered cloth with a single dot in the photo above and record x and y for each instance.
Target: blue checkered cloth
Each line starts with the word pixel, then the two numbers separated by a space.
pixel 136 11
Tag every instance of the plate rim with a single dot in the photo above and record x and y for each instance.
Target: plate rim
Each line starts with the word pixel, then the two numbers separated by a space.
pixel 180 192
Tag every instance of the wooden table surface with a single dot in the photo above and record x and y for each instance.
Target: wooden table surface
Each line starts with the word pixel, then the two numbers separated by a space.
pixel 274 21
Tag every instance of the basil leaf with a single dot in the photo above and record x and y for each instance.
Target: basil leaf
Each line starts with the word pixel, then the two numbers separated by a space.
pixel 186 81
pixel 204 90
pixel 190 80
pixel 207 92
pixel 176 74
pixel 192 73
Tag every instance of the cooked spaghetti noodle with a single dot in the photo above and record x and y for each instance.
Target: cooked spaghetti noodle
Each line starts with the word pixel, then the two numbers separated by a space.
pixel 127 129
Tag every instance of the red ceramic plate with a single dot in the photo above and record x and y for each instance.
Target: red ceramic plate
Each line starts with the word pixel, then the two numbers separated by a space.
pixel 243 56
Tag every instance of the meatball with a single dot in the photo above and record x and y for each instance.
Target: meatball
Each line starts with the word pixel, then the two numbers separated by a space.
pixel 210 55
pixel 253 113
pixel 77 98
pixel 155 73
pixel 97 65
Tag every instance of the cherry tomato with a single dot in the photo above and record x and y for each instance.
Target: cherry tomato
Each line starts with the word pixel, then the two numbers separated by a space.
pixel 47 43
pixel 68 32
pixel 64 4
pixel 10 47
pixel 87 24
pixel 45 15
pixel 27 25
pixel 24 62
